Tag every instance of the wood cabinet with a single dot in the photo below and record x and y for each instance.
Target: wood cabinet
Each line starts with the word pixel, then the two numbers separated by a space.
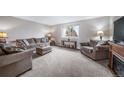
pixel 69 44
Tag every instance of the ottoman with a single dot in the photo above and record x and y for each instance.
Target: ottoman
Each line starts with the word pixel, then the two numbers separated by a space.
pixel 43 50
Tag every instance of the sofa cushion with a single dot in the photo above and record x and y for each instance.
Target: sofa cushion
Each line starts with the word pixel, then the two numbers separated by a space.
pixel 37 40
pixel 93 43
pixel 88 49
pixel 43 40
pixel 47 44
pixel 41 44
pixel 47 40
pixel 31 46
pixel 31 41
pixel 84 44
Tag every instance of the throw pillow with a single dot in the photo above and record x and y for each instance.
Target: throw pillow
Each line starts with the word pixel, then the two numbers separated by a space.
pixel 47 44
pixel 21 44
pixel 26 42
pixel 10 50
pixel 43 40
pixel 93 43
pixel 37 40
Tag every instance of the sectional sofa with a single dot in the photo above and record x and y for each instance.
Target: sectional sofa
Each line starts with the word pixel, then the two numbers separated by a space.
pixel 18 59
pixel 14 64
pixel 33 43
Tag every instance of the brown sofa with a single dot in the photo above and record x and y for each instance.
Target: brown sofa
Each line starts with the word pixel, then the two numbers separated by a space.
pixel 94 50
pixel 33 43
pixel 12 65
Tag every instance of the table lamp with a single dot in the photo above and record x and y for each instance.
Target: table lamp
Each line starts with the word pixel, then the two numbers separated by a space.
pixel 49 35
pixel 3 36
pixel 100 33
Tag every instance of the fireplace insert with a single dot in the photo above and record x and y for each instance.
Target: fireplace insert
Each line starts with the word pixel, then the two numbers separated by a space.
pixel 118 66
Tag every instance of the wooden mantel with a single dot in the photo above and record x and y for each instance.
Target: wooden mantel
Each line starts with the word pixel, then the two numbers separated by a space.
pixel 117 50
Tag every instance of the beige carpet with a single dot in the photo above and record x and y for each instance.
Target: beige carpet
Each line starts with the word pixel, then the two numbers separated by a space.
pixel 62 62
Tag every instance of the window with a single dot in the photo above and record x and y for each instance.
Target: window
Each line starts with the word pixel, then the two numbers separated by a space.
pixel 71 31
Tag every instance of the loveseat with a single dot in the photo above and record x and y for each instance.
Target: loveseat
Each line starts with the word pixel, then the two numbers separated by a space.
pixel 33 43
pixel 96 50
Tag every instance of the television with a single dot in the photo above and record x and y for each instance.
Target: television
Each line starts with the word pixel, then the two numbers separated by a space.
pixel 119 30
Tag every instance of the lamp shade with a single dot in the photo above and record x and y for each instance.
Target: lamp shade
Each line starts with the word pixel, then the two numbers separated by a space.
pixel 3 35
pixel 49 35
pixel 100 33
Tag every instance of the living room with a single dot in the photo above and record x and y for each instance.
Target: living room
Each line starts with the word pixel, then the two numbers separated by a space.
pixel 56 46
pixel 66 46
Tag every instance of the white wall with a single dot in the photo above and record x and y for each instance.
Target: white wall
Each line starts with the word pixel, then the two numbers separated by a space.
pixel 88 29
pixel 20 29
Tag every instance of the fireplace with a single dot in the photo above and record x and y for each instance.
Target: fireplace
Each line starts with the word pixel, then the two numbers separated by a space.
pixel 116 58
pixel 118 65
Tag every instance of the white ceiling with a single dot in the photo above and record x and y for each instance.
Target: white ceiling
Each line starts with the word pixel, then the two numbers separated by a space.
pixel 54 20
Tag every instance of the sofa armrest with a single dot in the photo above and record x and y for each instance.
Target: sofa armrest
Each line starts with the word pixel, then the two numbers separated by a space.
pixel 12 58
pixel 85 44
pixel 101 48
